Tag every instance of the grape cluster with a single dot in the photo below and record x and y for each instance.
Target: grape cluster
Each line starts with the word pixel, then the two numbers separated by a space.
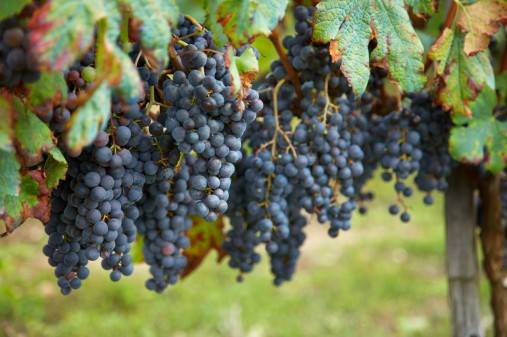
pixel 94 210
pixel 17 64
pixel 305 155
pixel 206 120
pixel 433 125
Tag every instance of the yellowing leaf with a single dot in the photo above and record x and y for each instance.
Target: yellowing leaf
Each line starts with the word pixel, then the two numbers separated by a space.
pixel 244 19
pixel 204 236
pixel 483 139
pixel 461 76
pixel 62 30
pixel 480 21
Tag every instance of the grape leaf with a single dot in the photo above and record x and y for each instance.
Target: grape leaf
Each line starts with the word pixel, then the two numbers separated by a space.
pixel 33 134
pixel 9 166
pixel 130 86
pixel 462 76
pixel 212 23
pixel 50 87
pixel 242 20
pixel 204 236
pixel 480 21
pixel 351 24
pixel 29 189
pixel 482 138
pixel 153 17
pixel 88 119
pixel 62 30
pixel 34 200
pixel 230 62
pixel 423 7
pixel 55 167
pixel 9 176
pixel 11 7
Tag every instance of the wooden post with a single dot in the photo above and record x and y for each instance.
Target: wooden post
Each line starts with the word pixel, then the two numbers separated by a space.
pixel 493 240
pixel 461 254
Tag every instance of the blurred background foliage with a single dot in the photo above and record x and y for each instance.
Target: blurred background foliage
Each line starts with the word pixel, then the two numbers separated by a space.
pixel 382 278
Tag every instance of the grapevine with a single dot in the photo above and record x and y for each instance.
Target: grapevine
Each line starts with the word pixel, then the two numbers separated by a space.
pixel 128 128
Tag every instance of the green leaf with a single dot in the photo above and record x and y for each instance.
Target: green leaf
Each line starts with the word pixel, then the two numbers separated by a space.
pixel 463 76
pixel 33 134
pixel 244 19
pixel 9 166
pixel 130 86
pixel 9 175
pixel 204 237
pixel 230 60
pixel 247 62
pixel 55 167
pixel 89 118
pixel 155 33
pixel 350 24
pixel 11 7
pixel 51 86
pixel 483 138
pixel 62 30
pixel 423 7
pixel 28 197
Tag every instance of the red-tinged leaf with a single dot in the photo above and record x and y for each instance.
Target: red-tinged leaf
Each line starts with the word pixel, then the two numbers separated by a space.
pixel 50 87
pixel 33 201
pixel 62 30
pixel 33 136
pixel 334 51
pixel 204 237
pixel 480 21
pixel 460 76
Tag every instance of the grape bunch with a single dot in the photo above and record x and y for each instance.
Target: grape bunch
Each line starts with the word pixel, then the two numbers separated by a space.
pixel 434 125
pixel 206 120
pixel 305 156
pixel 94 210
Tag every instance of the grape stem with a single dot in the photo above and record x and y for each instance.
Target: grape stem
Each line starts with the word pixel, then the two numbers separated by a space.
pixel 175 58
pixel 274 37
pixel 278 129
pixel 328 100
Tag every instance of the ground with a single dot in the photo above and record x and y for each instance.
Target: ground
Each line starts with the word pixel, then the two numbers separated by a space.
pixel 382 278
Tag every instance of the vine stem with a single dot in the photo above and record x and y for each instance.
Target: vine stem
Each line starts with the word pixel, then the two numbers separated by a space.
pixel 492 242
pixel 451 14
pixel 503 64
pixel 274 37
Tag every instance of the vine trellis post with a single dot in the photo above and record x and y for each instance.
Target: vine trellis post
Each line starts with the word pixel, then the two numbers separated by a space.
pixel 462 237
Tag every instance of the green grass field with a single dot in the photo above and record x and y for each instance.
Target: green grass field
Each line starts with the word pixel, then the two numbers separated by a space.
pixel 382 278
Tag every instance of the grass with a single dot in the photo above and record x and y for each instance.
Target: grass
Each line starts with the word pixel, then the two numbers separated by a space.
pixel 382 278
